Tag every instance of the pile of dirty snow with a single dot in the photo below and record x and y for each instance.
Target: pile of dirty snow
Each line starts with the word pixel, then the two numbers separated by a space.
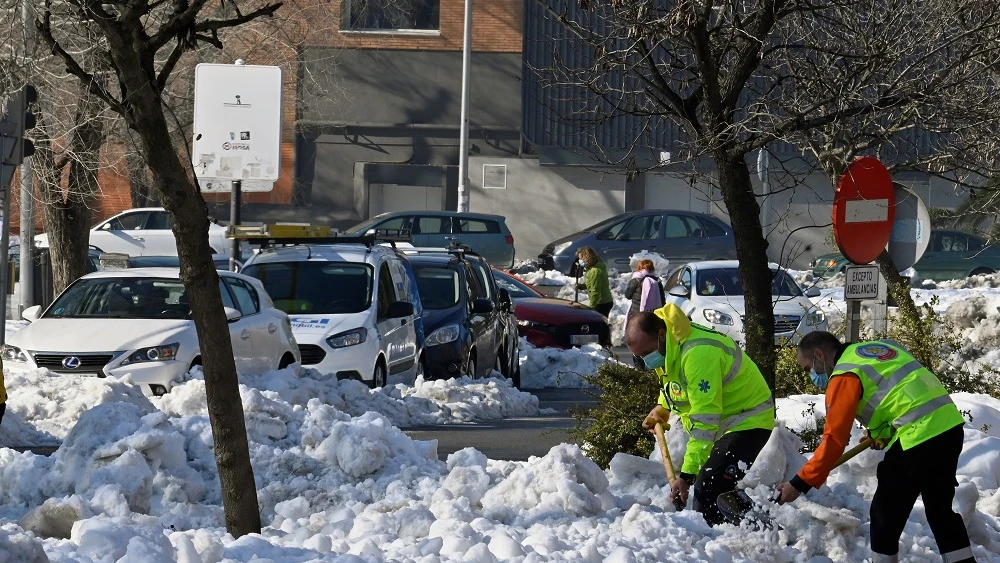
pixel 553 367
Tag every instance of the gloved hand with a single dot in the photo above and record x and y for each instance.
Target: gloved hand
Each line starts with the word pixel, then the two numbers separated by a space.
pixel 877 444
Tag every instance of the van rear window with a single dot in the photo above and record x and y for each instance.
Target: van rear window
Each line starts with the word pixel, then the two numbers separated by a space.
pixel 331 288
pixel 478 226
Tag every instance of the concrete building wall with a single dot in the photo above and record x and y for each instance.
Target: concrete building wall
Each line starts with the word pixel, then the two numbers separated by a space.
pixel 544 203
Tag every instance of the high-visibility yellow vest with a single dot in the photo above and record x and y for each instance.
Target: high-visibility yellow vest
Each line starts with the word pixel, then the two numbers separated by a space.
pixel 713 386
pixel 902 399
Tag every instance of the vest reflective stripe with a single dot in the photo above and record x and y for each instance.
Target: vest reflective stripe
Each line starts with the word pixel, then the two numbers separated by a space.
pixel 921 411
pixel 737 419
pixel 884 384
pixel 736 353
pixel 957 555
pixel 700 434
pixel 706 418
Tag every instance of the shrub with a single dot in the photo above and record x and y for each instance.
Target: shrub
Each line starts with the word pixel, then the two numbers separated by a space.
pixel 624 396
pixel 789 377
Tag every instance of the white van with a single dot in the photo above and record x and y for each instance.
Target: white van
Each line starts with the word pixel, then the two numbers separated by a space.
pixel 353 308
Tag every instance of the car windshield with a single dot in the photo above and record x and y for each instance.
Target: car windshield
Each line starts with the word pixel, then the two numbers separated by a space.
pixel 727 281
pixel 438 287
pixel 515 287
pixel 330 288
pixel 122 298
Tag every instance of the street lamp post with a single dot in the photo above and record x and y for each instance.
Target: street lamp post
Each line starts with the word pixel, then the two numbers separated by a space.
pixel 463 144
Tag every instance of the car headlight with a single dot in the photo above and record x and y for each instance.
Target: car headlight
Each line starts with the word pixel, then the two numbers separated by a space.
pixel 717 317
pixel 349 338
pixel 558 249
pixel 13 354
pixel 815 318
pixel 442 335
pixel 152 354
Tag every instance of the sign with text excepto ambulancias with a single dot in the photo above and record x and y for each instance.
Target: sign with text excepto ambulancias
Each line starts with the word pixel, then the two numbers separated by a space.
pixel 861 283
pixel 237 126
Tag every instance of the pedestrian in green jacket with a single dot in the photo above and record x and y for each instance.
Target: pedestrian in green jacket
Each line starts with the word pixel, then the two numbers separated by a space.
pixel 596 281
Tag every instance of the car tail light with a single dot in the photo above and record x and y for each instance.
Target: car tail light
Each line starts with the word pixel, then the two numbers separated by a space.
pixel 509 239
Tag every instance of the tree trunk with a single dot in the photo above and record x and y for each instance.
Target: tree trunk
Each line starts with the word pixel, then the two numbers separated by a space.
pixel 751 249
pixel 144 115
pixel 140 188
pixel 69 213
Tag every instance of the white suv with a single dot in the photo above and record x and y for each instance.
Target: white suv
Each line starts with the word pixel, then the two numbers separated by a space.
pixel 145 231
pixel 353 308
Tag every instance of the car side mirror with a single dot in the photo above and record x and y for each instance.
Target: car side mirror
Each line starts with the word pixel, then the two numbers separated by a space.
pixel 232 315
pixel 679 291
pixel 503 296
pixel 813 292
pixel 400 309
pixel 31 313
pixel 482 307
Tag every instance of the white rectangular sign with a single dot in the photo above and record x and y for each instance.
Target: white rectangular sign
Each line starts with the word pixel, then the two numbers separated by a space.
pixel 866 211
pixel 237 125
pixel 216 186
pixel 861 282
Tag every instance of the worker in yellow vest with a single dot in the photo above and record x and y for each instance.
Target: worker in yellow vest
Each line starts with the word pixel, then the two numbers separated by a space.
pixel 903 404
pixel 718 393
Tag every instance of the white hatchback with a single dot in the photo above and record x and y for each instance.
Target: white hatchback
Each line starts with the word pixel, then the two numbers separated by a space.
pixel 711 294
pixel 138 322
pixel 145 231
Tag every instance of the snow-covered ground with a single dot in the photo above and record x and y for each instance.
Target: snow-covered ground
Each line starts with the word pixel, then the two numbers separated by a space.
pixel 134 479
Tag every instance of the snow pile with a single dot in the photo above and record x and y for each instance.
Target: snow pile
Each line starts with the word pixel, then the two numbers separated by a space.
pixel 445 401
pixel 554 367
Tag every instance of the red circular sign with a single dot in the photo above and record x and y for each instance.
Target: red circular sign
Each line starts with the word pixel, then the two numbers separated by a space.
pixel 864 209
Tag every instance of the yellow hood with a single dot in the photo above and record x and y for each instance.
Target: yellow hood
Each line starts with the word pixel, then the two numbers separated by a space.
pixel 678 328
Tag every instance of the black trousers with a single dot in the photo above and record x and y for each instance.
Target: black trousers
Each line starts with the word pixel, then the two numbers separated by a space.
pixel 722 471
pixel 927 470
pixel 605 308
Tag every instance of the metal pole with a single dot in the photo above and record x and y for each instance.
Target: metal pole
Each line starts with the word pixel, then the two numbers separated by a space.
pixel 234 219
pixel 463 144
pixel 27 273
pixel 853 321
pixel 5 260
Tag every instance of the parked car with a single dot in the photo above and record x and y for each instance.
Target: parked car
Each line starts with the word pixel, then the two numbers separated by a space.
pixel 679 236
pixel 145 232
pixel 487 235
pixel 950 255
pixel 354 308
pixel 550 322
pixel 711 293
pixel 138 322
pixel 466 316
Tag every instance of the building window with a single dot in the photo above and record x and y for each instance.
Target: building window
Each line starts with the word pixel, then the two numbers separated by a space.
pixel 388 15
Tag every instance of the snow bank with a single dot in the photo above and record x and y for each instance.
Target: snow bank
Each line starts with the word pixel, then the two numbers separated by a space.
pixel 554 367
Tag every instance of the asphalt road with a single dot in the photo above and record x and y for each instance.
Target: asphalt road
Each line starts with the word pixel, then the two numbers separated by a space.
pixel 514 439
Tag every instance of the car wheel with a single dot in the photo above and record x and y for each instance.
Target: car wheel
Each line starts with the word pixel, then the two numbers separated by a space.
pixel 286 360
pixel 981 272
pixel 378 376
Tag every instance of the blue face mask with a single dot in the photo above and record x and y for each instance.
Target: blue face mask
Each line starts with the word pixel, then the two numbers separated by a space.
pixel 654 359
pixel 820 380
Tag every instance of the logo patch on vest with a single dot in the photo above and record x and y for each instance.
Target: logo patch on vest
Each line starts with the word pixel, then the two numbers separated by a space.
pixel 675 390
pixel 704 386
pixel 879 352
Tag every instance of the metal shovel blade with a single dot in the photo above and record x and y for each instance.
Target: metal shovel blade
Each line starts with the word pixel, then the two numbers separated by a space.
pixel 737 507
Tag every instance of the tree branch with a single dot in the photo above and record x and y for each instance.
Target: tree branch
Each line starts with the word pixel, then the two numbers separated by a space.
pixel 44 29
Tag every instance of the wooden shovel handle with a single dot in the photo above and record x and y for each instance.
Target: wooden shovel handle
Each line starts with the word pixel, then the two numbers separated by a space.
pixel 864 445
pixel 665 453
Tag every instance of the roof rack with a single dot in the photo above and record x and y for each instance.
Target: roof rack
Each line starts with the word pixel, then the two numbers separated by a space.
pixel 455 248
pixel 279 234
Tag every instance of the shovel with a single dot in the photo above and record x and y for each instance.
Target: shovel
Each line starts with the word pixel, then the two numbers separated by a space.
pixel 737 506
pixel 667 464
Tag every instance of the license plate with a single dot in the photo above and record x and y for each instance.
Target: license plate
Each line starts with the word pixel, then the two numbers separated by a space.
pixel 580 339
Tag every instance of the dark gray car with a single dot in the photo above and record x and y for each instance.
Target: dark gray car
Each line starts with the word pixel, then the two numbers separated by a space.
pixel 679 236
pixel 485 234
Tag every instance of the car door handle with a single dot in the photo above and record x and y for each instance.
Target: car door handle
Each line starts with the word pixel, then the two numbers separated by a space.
pixel 140 239
pixel 272 328
pixel 245 335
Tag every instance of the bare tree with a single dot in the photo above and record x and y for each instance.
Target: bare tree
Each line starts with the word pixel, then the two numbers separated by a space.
pixel 739 76
pixel 136 34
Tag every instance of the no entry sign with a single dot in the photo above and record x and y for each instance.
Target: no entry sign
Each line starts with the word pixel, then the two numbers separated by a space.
pixel 864 210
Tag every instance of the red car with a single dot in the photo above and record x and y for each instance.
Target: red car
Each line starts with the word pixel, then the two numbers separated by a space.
pixel 549 322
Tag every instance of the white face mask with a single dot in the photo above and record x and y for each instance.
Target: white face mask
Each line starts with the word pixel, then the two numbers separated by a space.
pixel 710 288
